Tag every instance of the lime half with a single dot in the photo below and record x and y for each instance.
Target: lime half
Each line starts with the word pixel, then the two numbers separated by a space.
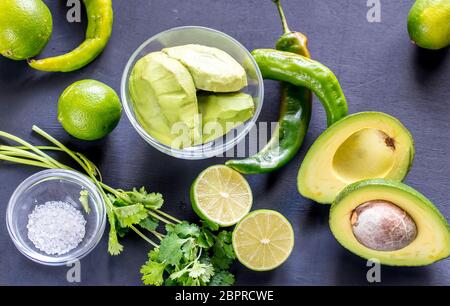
pixel 263 240
pixel 221 195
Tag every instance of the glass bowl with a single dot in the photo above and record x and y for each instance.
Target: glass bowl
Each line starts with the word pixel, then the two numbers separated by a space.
pixel 208 37
pixel 55 185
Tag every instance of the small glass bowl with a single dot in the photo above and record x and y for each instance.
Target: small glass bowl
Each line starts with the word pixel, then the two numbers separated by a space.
pixel 55 185
pixel 211 38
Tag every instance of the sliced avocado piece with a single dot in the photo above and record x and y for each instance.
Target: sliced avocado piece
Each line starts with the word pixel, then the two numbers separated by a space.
pixel 223 112
pixel 360 146
pixel 391 222
pixel 165 100
pixel 212 69
pixel 429 23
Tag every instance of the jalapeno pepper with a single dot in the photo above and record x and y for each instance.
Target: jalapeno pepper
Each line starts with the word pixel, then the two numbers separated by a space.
pixel 100 20
pixel 295 114
pixel 301 71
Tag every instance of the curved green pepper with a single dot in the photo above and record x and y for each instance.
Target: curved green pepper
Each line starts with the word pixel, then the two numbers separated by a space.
pixel 301 71
pixel 100 21
pixel 295 115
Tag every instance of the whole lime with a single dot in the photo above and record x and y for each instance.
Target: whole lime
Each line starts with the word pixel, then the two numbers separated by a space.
pixel 89 109
pixel 25 28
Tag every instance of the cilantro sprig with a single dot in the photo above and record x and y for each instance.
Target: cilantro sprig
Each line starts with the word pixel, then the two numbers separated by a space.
pixel 185 257
pixel 183 253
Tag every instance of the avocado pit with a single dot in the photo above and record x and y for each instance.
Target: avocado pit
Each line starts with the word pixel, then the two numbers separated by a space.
pixel 382 226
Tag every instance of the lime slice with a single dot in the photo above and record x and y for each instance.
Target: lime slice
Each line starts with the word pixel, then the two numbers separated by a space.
pixel 263 240
pixel 221 195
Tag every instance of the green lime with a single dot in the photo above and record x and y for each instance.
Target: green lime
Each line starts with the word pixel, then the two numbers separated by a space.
pixel 221 195
pixel 25 28
pixel 89 109
pixel 263 240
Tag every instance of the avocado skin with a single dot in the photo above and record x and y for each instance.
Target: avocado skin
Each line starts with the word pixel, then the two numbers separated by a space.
pixel 429 24
pixel 395 185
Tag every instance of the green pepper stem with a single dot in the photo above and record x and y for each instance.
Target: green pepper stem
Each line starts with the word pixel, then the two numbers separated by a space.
pixel 282 16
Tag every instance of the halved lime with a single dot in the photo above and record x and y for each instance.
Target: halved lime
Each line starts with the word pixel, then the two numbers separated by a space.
pixel 221 195
pixel 263 240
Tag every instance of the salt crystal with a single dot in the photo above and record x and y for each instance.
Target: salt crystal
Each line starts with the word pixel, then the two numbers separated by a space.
pixel 56 227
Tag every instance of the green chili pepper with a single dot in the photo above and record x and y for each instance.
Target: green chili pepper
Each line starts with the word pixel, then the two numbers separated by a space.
pixel 100 21
pixel 301 71
pixel 295 114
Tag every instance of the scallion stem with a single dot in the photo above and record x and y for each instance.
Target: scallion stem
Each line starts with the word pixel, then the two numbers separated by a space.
pixel 32 148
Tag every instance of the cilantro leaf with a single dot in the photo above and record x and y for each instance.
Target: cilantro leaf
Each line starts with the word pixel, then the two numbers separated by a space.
pixel 152 273
pixel 222 278
pixel 118 202
pixel 149 200
pixel 149 223
pixel 170 250
pixel 206 239
pixel 121 231
pixel 223 252
pixel 129 215
pixel 201 271
pixel 184 229
pixel 84 200
pixel 114 247
pixel 210 225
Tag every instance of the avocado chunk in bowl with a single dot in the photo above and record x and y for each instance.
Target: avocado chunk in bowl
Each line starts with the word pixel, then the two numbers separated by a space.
pixel 360 146
pixel 164 94
pixel 184 79
pixel 211 68
pixel 391 222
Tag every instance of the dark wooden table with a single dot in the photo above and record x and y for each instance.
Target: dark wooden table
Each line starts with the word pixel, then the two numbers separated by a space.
pixel 379 69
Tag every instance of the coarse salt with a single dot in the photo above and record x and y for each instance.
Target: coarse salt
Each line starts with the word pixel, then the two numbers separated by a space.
pixel 56 227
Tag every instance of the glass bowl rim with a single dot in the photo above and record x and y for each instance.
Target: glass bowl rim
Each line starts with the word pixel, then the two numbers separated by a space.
pixel 64 174
pixel 189 153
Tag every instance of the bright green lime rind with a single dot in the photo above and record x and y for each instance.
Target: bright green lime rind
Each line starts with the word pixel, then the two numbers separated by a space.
pixel 25 28
pixel 89 110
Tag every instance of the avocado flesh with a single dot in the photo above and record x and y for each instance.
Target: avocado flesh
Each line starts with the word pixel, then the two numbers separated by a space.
pixel 429 23
pixel 212 69
pixel 360 146
pixel 223 112
pixel 165 100
pixel 432 242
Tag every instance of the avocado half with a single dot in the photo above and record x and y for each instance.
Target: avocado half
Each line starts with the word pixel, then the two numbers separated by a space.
pixel 392 211
pixel 360 146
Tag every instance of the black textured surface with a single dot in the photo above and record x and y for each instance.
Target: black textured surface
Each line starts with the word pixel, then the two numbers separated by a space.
pixel 379 69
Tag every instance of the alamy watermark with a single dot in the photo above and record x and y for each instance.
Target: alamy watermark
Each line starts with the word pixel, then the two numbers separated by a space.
pixel 373 275
pixel 374 12
pixel 73 275
pixel 74 12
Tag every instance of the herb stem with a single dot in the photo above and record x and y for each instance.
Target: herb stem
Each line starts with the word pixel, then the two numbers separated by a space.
pixel 158 235
pixel 151 213
pixel 143 236
pixel 167 215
